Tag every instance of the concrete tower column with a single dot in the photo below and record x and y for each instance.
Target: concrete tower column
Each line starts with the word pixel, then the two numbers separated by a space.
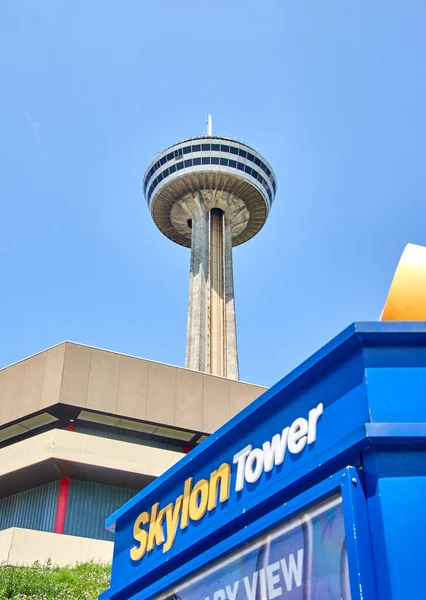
pixel 232 371
pixel 211 338
pixel 197 335
pixel 217 322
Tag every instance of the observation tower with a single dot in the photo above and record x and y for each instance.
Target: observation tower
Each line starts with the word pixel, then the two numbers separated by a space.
pixel 209 194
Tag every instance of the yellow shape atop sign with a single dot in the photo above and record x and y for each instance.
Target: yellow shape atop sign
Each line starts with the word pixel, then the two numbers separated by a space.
pixel 406 299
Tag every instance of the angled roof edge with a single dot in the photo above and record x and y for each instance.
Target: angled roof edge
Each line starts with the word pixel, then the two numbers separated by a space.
pixel 157 362
pixel 33 355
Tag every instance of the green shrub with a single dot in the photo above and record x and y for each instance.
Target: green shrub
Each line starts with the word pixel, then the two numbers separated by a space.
pixel 44 582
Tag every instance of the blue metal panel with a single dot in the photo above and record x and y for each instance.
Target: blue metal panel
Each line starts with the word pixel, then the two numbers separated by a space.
pixel 370 382
pixel 88 506
pixel 358 540
pixel 32 509
pixel 396 488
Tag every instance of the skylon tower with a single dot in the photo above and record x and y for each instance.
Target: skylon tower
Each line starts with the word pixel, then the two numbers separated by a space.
pixel 209 194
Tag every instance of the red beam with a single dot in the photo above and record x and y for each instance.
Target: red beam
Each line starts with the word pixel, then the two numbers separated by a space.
pixel 61 510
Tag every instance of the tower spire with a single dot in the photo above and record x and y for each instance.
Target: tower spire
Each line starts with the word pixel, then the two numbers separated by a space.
pixel 209 126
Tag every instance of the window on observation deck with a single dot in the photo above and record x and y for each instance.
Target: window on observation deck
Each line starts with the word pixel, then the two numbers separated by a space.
pixel 179 163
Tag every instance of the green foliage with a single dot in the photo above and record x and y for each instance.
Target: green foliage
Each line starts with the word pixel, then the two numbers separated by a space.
pixel 44 582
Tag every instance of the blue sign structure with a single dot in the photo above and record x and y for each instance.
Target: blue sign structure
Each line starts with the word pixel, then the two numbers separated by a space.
pixel 315 491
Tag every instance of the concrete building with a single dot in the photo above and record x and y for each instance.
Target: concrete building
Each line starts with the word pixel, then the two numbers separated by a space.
pixel 81 431
pixel 210 194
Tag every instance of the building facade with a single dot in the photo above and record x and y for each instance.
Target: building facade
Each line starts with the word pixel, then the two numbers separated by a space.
pixel 82 430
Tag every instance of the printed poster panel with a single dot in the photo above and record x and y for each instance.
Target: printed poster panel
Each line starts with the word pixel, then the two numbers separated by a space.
pixel 304 559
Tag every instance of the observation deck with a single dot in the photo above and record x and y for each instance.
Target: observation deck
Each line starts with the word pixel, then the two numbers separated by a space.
pixel 217 172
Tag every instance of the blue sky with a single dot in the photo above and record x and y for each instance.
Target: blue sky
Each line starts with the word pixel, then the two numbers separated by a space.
pixel 332 93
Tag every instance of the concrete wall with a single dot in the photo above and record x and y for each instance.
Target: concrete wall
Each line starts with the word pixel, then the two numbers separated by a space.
pixel 111 383
pixel 25 546
pixel 118 384
pixel 31 384
pixel 42 456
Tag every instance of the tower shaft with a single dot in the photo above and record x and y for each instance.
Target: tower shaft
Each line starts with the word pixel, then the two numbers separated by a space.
pixel 210 193
pixel 211 339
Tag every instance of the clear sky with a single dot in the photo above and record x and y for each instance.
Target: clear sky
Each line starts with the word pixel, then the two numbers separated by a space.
pixel 331 92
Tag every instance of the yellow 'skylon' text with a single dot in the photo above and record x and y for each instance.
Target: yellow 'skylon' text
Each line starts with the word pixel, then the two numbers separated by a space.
pixel 191 505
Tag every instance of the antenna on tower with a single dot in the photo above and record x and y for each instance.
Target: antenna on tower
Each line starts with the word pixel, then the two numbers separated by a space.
pixel 209 126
